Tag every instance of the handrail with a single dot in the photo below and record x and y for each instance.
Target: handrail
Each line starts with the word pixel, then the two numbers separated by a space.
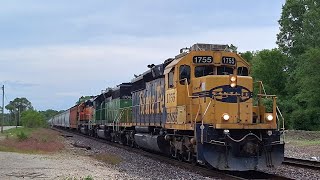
pixel 202 126
pixel 282 122
pixel 265 95
pixel 278 112
pixel 189 96
pixel 195 119
pixel 116 121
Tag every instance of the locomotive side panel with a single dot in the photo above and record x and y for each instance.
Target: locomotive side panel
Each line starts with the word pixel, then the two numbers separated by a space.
pixel 148 104
pixel 118 110
pixel 114 106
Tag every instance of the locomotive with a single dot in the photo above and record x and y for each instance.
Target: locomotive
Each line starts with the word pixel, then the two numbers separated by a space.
pixel 198 107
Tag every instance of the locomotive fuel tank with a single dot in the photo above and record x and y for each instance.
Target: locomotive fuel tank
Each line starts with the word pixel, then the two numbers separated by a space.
pixel 84 130
pixel 101 133
pixel 155 143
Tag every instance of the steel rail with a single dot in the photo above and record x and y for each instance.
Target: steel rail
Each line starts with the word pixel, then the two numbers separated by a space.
pixel 309 164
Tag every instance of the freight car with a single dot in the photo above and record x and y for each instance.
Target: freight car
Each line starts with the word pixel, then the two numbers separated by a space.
pixel 199 107
pixel 78 117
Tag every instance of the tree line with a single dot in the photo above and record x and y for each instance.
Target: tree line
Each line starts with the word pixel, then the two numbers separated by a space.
pixel 21 112
pixel 291 71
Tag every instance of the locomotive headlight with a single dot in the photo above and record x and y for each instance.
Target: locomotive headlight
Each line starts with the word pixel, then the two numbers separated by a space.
pixel 269 117
pixel 233 84
pixel 233 79
pixel 226 131
pixel 226 116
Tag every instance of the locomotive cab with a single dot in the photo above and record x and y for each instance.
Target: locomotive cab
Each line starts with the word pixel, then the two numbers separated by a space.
pixel 209 90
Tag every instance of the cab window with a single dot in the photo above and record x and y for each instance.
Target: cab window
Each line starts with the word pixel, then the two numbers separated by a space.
pixel 170 78
pixel 224 70
pixel 200 71
pixel 243 71
pixel 184 74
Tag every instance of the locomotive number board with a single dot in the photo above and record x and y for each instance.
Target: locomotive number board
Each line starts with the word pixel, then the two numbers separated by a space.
pixel 228 60
pixel 202 59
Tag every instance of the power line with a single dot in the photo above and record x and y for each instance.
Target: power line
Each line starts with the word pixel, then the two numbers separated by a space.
pixel 7 101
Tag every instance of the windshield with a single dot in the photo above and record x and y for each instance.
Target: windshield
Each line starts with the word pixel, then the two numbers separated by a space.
pixel 224 70
pixel 203 71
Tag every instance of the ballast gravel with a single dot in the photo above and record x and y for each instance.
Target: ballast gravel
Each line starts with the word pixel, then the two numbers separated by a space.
pixel 78 163
pixel 132 165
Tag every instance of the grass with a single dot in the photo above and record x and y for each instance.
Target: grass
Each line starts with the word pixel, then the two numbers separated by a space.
pixel 15 132
pixel 303 138
pixel 303 142
pixel 88 178
pixel 31 140
pixel 108 158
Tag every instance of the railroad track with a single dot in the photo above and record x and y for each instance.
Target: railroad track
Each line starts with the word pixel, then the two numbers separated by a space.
pixel 302 163
pixel 205 171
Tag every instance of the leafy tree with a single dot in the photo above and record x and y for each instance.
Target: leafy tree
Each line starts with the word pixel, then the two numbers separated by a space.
pixel 47 114
pixel 18 105
pixel 308 97
pixel 32 119
pixel 299 38
pixel 83 99
pixel 299 28
pixel 291 27
pixel 269 67
pixel 309 77
pixel 248 56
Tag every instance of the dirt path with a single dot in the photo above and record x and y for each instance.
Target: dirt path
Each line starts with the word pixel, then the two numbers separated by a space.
pixel 9 127
pixel 58 166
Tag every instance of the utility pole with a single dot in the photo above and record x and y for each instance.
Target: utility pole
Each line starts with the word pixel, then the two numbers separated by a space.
pixel 15 118
pixel 19 116
pixel 2 109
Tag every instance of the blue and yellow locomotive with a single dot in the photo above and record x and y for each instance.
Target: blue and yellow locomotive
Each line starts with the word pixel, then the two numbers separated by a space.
pixel 209 92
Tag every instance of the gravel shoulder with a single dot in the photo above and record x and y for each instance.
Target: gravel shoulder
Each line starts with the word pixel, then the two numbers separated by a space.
pixel 303 144
pixel 58 166
pixel 79 163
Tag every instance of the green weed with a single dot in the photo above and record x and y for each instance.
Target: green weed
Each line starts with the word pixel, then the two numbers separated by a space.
pixel 108 158
pixel 88 178
pixel 22 136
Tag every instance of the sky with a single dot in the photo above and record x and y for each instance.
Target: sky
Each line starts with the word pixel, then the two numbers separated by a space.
pixel 52 52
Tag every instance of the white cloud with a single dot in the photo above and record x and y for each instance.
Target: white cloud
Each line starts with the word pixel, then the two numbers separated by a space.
pixel 65 72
